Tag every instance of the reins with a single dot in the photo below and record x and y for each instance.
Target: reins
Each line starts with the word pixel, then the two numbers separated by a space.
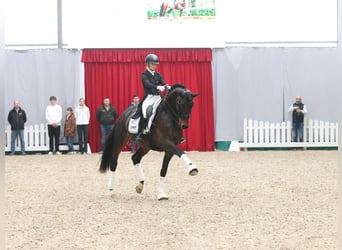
pixel 174 114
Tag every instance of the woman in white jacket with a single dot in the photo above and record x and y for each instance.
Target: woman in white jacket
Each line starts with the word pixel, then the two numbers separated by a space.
pixel 82 115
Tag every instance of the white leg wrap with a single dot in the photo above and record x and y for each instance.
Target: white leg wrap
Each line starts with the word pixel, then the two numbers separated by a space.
pixel 186 159
pixel 191 166
pixel 111 180
pixel 161 194
pixel 140 172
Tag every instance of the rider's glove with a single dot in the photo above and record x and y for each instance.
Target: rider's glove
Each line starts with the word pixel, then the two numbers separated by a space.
pixel 167 87
pixel 160 88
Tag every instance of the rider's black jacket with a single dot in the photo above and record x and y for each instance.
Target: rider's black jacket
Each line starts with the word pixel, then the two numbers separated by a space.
pixel 151 82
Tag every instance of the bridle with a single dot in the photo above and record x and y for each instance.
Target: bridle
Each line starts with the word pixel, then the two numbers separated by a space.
pixel 176 113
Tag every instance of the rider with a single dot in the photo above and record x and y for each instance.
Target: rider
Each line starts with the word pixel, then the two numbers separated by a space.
pixel 153 83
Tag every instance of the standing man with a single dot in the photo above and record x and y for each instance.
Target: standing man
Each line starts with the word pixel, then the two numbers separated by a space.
pixel 298 110
pixel 53 115
pixel 134 103
pixel 106 114
pixel 135 100
pixel 17 118
pixel 82 121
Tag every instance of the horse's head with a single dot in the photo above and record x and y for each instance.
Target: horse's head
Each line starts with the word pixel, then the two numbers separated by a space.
pixel 180 101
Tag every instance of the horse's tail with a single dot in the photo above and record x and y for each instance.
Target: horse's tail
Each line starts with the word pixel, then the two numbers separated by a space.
pixel 107 158
pixel 115 141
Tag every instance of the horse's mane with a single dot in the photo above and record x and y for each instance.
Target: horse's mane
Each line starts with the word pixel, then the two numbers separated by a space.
pixel 181 86
pixel 177 85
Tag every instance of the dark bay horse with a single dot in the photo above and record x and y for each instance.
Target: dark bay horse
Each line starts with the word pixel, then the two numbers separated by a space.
pixel 177 5
pixel 166 131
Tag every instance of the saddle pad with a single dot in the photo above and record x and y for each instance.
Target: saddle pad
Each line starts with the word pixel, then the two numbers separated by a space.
pixel 133 125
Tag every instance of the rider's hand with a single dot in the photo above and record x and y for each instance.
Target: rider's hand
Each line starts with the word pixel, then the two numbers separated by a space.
pixel 167 87
pixel 160 88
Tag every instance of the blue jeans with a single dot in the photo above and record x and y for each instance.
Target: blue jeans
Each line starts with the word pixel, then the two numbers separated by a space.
pixel 105 131
pixel 70 142
pixel 297 131
pixel 14 134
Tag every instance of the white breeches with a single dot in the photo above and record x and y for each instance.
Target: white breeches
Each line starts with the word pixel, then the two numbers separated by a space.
pixel 154 101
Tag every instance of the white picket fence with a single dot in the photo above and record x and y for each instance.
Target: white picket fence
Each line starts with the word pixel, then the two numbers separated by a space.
pixel 259 134
pixel 36 139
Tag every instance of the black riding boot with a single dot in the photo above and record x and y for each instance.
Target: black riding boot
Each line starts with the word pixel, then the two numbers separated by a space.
pixel 142 125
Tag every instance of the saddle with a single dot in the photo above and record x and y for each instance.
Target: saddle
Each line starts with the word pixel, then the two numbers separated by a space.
pixel 137 120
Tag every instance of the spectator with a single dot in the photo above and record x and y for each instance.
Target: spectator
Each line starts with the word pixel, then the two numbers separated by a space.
pixel 134 103
pixel 298 110
pixel 17 118
pixel 70 129
pixel 53 115
pixel 106 114
pixel 82 121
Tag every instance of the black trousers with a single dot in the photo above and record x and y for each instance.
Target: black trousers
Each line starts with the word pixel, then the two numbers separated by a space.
pixel 82 132
pixel 54 134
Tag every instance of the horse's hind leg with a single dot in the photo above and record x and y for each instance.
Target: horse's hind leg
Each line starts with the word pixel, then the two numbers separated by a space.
pixel 111 180
pixel 111 171
pixel 161 193
pixel 136 158
pixel 141 178
pixel 162 9
pixel 113 155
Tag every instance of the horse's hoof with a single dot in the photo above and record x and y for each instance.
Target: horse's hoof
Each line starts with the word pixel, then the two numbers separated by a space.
pixel 162 197
pixel 139 188
pixel 193 172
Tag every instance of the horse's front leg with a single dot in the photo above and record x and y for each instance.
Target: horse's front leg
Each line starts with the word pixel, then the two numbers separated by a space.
pixel 161 193
pixel 180 153
pixel 191 167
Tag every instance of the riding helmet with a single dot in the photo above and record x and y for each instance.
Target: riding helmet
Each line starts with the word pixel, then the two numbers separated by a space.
pixel 152 58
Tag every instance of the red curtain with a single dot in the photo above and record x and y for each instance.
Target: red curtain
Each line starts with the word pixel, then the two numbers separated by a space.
pixel 115 73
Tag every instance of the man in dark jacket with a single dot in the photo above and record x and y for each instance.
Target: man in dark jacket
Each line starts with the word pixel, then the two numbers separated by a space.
pixel 105 115
pixel 17 118
pixel 298 110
